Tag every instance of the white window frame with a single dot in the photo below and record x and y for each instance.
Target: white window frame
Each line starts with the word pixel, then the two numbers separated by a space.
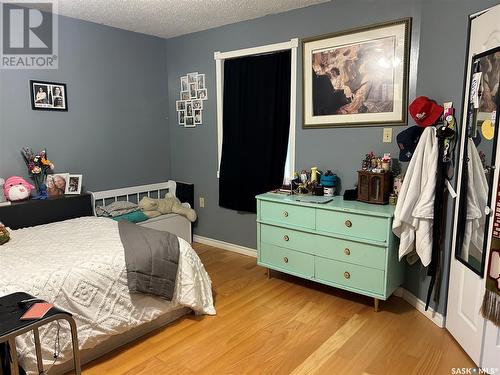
pixel 219 57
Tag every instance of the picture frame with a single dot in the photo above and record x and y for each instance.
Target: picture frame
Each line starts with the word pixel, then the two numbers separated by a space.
pixel 198 117
pixel 189 122
pixel 200 81
pixel 48 96
pixel 181 117
pixel 357 77
pixel 193 90
pixel 202 94
pixel 56 184
pixel 189 108
pixel 185 95
pixel 74 185
pixel 184 83
pixel 197 103
pixel 192 77
pixel 180 105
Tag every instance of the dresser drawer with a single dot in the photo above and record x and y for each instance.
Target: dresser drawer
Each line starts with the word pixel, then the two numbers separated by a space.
pixel 288 238
pixel 349 275
pixel 287 214
pixel 350 224
pixel 287 260
pixel 350 252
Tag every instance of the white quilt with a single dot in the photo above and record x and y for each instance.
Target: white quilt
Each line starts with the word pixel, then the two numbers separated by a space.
pixel 79 265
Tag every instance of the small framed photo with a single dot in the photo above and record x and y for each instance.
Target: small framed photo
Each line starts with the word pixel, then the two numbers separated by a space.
pixel 185 95
pixel 181 116
pixel 56 184
pixel 192 77
pixel 200 80
pixel 189 122
pixel 48 96
pixel 198 117
pixel 184 83
pixel 193 90
pixel 202 94
pixel 180 105
pixel 197 104
pixel 189 108
pixel 74 185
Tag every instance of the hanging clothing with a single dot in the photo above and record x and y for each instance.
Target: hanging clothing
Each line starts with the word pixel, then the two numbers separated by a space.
pixel 477 200
pixel 414 213
pixel 255 129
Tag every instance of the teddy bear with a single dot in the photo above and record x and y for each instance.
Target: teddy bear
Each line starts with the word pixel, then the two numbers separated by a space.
pixel 155 207
pixel 17 188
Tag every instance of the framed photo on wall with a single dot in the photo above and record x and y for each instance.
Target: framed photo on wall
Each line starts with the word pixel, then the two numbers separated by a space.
pixel 357 77
pixel 48 96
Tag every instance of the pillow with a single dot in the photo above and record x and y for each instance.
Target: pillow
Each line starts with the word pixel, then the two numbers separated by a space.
pixel 133 217
pixel 116 209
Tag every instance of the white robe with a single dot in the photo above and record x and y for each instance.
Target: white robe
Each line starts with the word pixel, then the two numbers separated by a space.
pixel 414 214
pixel 477 199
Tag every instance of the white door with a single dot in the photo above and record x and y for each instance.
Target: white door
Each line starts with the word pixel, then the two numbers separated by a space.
pixel 466 289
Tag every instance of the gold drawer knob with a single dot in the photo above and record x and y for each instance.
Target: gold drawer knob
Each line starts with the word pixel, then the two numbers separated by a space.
pixel 286 238
pixel 285 213
pixel 285 259
pixel 347 251
pixel 348 223
pixel 347 275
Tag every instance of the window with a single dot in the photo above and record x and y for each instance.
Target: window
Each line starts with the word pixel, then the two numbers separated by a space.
pixel 219 61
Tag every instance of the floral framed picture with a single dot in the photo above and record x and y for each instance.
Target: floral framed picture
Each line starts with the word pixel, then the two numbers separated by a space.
pixel 357 77
pixel 48 96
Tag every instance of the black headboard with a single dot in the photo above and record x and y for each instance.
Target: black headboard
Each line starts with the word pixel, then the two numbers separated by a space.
pixel 37 212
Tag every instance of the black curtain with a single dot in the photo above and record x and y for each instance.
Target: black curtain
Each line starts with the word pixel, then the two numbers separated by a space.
pixel 255 129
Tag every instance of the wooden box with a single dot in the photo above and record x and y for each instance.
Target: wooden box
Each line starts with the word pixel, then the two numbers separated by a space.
pixel 374 187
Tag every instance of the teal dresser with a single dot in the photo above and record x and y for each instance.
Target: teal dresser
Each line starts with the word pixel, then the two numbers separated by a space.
pixel 345 244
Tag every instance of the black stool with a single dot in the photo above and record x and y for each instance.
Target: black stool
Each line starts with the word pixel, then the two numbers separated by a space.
pixel 11 327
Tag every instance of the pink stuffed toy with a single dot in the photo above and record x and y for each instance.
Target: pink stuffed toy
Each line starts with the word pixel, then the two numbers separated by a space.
pixel 17 188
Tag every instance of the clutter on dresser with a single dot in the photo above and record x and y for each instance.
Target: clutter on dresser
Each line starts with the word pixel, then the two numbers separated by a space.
pixel 314 182
pixel 192 94
pixel 4 234
pixel 39 167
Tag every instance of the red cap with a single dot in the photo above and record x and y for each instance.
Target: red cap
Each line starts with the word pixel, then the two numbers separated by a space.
pixel 425 111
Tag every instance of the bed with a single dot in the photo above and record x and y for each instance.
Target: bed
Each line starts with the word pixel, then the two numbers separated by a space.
pixel 79 265
pixel 172 223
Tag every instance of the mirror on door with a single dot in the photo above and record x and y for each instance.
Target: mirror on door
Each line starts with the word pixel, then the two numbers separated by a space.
pixel 478 163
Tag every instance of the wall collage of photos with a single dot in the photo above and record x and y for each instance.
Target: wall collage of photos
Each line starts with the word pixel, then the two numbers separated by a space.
pixel 192 94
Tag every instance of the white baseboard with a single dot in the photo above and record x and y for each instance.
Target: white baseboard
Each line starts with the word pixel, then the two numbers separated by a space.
pixel 418 304
pixel 226 246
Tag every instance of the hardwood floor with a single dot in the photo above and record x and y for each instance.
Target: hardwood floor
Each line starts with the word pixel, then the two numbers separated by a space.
pixel 285 325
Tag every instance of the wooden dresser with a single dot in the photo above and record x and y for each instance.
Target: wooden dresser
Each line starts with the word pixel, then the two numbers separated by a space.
pixel 345 244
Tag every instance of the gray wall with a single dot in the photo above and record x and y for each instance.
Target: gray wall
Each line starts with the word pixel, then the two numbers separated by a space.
pixel 437 58
pixel 116 131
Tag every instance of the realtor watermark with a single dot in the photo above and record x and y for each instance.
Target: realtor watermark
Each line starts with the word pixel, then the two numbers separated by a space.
pixel 473 370
pixel 29 34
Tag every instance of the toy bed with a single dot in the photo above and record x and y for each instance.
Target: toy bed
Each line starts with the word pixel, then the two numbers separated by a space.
pixel 172 223
pixel 78 264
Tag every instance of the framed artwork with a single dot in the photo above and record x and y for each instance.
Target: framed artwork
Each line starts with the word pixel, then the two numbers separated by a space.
pixel 357 77
pixel 56 184
pixel 193 91
pixel 74 185
pixel 48 96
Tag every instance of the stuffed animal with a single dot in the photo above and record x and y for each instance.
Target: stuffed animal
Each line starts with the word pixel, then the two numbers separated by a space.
pixel 17 188
pixel 155 207
pixel 4 234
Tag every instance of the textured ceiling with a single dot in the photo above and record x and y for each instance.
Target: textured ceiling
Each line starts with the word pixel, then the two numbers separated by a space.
pixel 168 18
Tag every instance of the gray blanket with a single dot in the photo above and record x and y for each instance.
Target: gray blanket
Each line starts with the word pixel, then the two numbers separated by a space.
pixel 152 258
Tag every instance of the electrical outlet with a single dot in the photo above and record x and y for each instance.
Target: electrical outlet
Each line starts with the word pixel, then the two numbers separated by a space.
pixel 387 137
pixel 202 202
